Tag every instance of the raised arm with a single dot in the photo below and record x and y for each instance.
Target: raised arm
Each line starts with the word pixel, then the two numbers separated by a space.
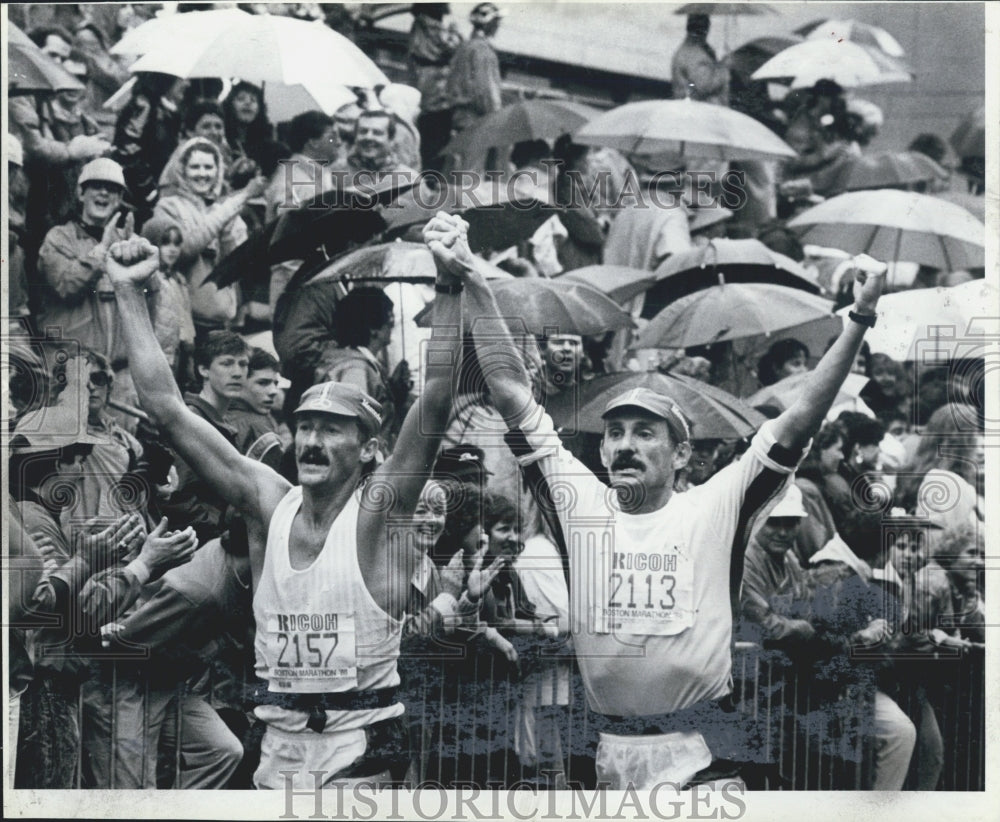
pixel 240 481
pixel 417 445
pixel 794 427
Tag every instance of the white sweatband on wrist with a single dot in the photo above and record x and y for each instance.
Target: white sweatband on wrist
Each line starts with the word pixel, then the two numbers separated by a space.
pixel 139 570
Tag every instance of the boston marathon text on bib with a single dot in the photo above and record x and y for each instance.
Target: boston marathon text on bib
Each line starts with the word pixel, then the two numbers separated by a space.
pixel 644 593
pixel 311 653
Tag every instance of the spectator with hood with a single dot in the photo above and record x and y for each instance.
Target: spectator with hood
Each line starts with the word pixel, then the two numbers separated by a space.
pixel 191 186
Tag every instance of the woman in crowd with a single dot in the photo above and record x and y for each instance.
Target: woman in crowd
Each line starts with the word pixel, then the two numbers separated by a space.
pixel 191 186
pixel 247 129
pixel 783 359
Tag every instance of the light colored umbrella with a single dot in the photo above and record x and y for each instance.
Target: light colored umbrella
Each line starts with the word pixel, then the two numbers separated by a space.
pixel 888 168
pixel 187 29
pixel 731 312
pixel 619 282
pixel 712 412
pixel 751 55
pixel 936 324
pixel 550 307
pixel 849 64
pixel 784 393
pixel 30 70
pixel 896 226
pixel 263 48
pixel 524 120
pixel 855 31
pixel 683 128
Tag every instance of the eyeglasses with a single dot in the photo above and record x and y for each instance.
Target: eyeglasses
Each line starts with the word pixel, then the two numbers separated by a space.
pixel 100 379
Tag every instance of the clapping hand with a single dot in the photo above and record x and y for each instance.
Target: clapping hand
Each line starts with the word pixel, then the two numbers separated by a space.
pixel 163 550
pixel 480 579
pixel 112 544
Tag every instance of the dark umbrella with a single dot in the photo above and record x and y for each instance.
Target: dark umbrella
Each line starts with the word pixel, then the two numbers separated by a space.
pixel 495 222
pixel 302 234
pixel 30 70
pixel 524 120
pixel 712 412
pixel 731 261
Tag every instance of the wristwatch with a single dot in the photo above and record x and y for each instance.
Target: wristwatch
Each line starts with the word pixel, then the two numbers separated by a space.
pixel 867 320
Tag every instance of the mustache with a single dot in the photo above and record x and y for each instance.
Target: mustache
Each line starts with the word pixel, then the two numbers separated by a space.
pixel 314 456
pixel 626 460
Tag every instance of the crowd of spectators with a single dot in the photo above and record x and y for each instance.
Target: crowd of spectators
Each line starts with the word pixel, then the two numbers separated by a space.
pixel 132 666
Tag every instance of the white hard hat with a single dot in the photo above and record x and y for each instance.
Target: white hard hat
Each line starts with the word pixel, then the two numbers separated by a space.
pixel 790 505
pixel 103 169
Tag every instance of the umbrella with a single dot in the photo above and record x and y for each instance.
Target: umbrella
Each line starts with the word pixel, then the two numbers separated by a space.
pixel 855 31
pixel 30 70
pixel 749 57
pixel 975 204
pixel 619 282
pixel 262 48
pixel 896 226
pixel 888 168
pixel 296 235
pixel 935 324
pixel 189 28
pixel 732 261
pixel 550 307
pixel 731 311
pixel 969 139
pixel 495 222
pixel 525 120
pixel 713 413
pixel 389 262
pixel 849 64
pixel 684 128
pixel 726 8
pixel 784 393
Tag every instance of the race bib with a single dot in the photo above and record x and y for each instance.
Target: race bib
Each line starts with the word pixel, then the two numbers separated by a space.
pixel 311 653
pixel 644 593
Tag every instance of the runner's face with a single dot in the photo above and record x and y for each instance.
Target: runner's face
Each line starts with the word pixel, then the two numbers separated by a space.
pixel 429 516
pixel 637 449
pixel 328 448
pixel 261 390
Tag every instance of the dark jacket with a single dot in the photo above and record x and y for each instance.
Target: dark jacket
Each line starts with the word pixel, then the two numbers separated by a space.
pixel 195 502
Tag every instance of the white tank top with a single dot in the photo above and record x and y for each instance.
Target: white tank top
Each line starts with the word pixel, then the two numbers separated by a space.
pixel 318 629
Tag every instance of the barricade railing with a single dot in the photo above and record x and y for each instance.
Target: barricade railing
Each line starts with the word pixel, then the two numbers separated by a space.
pixel 481 721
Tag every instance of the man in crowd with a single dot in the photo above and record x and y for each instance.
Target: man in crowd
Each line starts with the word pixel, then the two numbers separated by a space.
pixel 696 72
pixel 371 159
pixel 653 605
pixel 221 361
pixel 313 138
pixel 474 81
pixel 773 580
pixel 326 640
pixel 250 413
pixel 77 301
pixel 563 355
